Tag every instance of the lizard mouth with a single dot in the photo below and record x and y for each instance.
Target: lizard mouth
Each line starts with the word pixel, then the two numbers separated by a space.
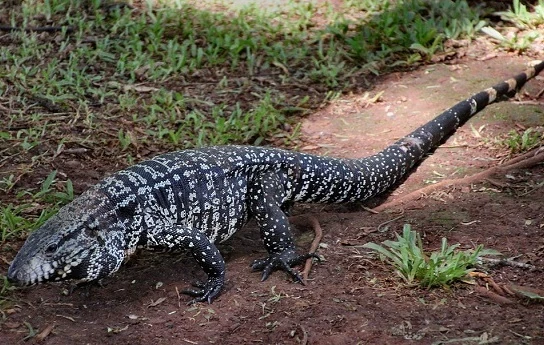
pixel 20 278
pixel 27 277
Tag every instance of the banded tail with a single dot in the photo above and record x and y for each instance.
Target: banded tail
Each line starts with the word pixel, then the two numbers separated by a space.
pixel 359 179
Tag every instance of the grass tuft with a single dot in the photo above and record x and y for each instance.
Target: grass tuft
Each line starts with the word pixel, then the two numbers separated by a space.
pixel 518 141
pixel 439 268
pixel 524 17
pixel 527 32
pixel 17 220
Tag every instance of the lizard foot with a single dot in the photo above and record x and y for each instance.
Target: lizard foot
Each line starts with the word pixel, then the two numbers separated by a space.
pixel 205 292
pixel 283 261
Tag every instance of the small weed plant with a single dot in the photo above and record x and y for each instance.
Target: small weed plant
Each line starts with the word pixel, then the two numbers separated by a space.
pixel 439 268
pixel 520 142
pixel 527 19
pixel 19 219
pixel 523 17
pixel 27 215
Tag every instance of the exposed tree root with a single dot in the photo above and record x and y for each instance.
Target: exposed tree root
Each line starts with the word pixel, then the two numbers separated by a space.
pixel 524 161
pixel 304 220
pixel 526 292
pixel 492 295
pixel 508 262
pixel 504 293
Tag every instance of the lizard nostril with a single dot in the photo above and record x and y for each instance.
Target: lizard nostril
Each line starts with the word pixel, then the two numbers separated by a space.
pixel 13 275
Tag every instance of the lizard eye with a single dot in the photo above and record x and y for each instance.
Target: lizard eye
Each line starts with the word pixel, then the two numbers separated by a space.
pixel 51 249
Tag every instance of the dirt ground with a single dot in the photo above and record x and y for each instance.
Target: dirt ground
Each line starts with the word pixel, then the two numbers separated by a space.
pixel 350 298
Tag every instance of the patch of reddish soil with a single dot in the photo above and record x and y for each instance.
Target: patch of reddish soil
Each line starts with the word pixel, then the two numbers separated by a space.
pixel 351 298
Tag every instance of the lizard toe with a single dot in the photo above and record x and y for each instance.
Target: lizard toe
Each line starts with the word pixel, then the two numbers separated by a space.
pixel 282 261
pixel 205 292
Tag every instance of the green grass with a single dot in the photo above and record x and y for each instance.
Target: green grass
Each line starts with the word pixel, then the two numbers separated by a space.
pixel 529 139
pixel 168 75
pixel 524 17
pixel 27 213
pixel 414 265
pixel 169 43
pixel 527 20
pixel 518 141
pixel 406 32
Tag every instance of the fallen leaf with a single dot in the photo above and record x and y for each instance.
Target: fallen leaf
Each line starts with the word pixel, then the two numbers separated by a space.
pixel 157 302
pixel 46 331
pixel 117 329
pixel 140 88
pixel 470 223
pixel 12 325
pixel 527 292
pixel 477 274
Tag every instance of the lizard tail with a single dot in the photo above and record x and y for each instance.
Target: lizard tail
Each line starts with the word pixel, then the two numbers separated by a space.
pixel 395 161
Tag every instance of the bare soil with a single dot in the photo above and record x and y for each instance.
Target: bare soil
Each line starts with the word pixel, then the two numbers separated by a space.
pixel 350 298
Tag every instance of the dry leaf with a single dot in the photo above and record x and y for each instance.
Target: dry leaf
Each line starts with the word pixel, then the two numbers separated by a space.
pixel 12 325
pixel 46 331
pixel 140 88
pixel 157 302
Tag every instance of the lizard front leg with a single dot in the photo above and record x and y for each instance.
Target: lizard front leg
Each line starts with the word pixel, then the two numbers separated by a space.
pixel 266 198
pixel 205 253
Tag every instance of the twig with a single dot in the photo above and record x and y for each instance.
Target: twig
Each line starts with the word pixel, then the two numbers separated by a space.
pixel 315 243
pixel 379 229
pixel 539 93
pixel 179 297
pixel 76 150
pixel 507 262
pixel 495 286
pixel 66 317
pixel 530 191
pixel 508 291
pixel 46 331
pixel 304 340
pixel 47 104
pixel 527 102
pixel 368 209
pixel 524 161
pixel 490 294
pixel 9 28
pixel 313 248
pixel 526 292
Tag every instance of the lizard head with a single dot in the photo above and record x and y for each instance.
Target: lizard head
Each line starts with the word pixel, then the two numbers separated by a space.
pixel 82 242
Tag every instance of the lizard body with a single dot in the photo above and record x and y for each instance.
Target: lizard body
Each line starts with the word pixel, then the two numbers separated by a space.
pixel 193 198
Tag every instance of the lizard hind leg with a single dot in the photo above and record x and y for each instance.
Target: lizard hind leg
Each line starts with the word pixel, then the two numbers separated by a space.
pixel 266 199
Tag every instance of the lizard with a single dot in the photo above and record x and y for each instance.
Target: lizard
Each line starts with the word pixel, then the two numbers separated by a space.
pixel 193 198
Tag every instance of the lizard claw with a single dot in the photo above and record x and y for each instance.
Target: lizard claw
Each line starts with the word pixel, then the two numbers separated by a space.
pixel 205 292
pixel 283 261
